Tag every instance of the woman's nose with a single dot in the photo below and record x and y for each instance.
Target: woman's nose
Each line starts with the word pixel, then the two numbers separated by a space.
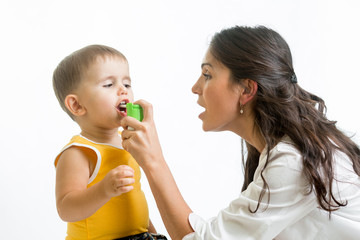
pixel 196 88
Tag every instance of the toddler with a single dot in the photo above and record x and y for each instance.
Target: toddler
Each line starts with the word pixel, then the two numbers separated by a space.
pixel 98 188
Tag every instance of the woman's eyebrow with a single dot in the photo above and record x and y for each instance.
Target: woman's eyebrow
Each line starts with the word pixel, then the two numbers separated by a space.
pixel 206 64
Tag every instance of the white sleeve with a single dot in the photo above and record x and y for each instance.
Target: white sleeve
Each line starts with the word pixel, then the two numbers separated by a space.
pixel 288 202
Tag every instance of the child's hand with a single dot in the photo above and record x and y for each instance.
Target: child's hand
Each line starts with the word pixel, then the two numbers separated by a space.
pixel 118 181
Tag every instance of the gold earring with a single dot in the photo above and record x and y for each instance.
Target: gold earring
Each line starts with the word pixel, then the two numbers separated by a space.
pixel 241 108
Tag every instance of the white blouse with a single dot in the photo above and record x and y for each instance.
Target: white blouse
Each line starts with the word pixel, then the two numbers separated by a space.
pixel 290 214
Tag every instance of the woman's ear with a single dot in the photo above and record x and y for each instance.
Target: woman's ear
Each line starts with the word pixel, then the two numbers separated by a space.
pixel 248 91
pixel 73 105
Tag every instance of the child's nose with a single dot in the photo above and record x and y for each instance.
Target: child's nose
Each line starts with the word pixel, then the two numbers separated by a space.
pixel 122 90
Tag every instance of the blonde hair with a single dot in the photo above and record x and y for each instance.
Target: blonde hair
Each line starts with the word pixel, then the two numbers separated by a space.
pixel 70 71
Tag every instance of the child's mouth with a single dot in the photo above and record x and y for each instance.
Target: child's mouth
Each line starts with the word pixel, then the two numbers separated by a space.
pixel 122 107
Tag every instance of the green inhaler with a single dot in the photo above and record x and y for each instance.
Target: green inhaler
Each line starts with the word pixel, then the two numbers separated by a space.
pixel 135 111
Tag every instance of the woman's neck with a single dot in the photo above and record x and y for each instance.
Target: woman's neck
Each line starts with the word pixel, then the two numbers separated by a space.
pixel 250 132
pixel 257 141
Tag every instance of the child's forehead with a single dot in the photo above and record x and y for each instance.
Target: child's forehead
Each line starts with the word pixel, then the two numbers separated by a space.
pixel 104 65
pixel 102 60
pixel 109 57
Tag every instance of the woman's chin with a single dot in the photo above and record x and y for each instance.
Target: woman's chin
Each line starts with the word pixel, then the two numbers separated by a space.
pixel 212 127
pixel 207 127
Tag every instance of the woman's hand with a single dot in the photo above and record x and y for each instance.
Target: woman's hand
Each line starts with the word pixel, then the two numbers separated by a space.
pixel 142 142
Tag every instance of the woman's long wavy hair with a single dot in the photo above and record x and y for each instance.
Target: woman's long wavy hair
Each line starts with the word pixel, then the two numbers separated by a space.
pixel 282 108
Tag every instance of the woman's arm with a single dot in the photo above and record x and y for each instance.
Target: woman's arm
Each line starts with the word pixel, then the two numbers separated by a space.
pixel 173 209
pixel 143 144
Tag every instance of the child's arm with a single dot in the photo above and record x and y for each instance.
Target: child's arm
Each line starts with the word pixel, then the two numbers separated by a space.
pixel 73 199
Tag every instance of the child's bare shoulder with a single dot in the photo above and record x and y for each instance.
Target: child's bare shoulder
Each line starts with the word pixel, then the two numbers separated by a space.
pixel 77 155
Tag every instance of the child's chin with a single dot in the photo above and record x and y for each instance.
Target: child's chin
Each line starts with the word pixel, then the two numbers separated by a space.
pixel 122 114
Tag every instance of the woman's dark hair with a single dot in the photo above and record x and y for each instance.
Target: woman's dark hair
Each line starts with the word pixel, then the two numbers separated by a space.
pixel 283 108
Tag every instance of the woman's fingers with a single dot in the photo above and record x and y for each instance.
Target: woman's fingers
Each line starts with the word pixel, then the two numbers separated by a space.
pixel 130 140
pixel 133 123
pixel 147 108
pixel 129 122
pixel 142 143
pixel 126 136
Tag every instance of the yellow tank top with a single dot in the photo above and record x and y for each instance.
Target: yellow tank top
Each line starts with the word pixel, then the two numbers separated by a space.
pixel 122 216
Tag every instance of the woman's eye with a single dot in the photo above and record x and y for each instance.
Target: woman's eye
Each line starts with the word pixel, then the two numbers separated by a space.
pixel 127 85
pixel 207 76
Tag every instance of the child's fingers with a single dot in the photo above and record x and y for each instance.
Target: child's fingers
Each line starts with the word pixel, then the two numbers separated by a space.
pixel 123 177
pixel 124 189
pixel 123 185
pixel 123 171
pixel 119 180
pixel 123 182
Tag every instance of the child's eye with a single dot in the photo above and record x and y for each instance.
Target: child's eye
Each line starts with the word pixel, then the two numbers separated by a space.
pixel 108 85
pixel 127 85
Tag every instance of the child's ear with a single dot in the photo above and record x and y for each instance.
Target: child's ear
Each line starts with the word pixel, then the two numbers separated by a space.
pixel 248 91
pixel 73 105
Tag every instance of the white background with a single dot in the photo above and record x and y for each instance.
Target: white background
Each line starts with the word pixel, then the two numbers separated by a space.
pixel 164 42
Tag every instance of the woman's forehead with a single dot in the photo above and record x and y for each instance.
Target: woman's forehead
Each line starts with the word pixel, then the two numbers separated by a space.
pixel 210 61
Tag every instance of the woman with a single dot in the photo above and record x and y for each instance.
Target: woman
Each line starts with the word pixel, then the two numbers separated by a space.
pixel 301 173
